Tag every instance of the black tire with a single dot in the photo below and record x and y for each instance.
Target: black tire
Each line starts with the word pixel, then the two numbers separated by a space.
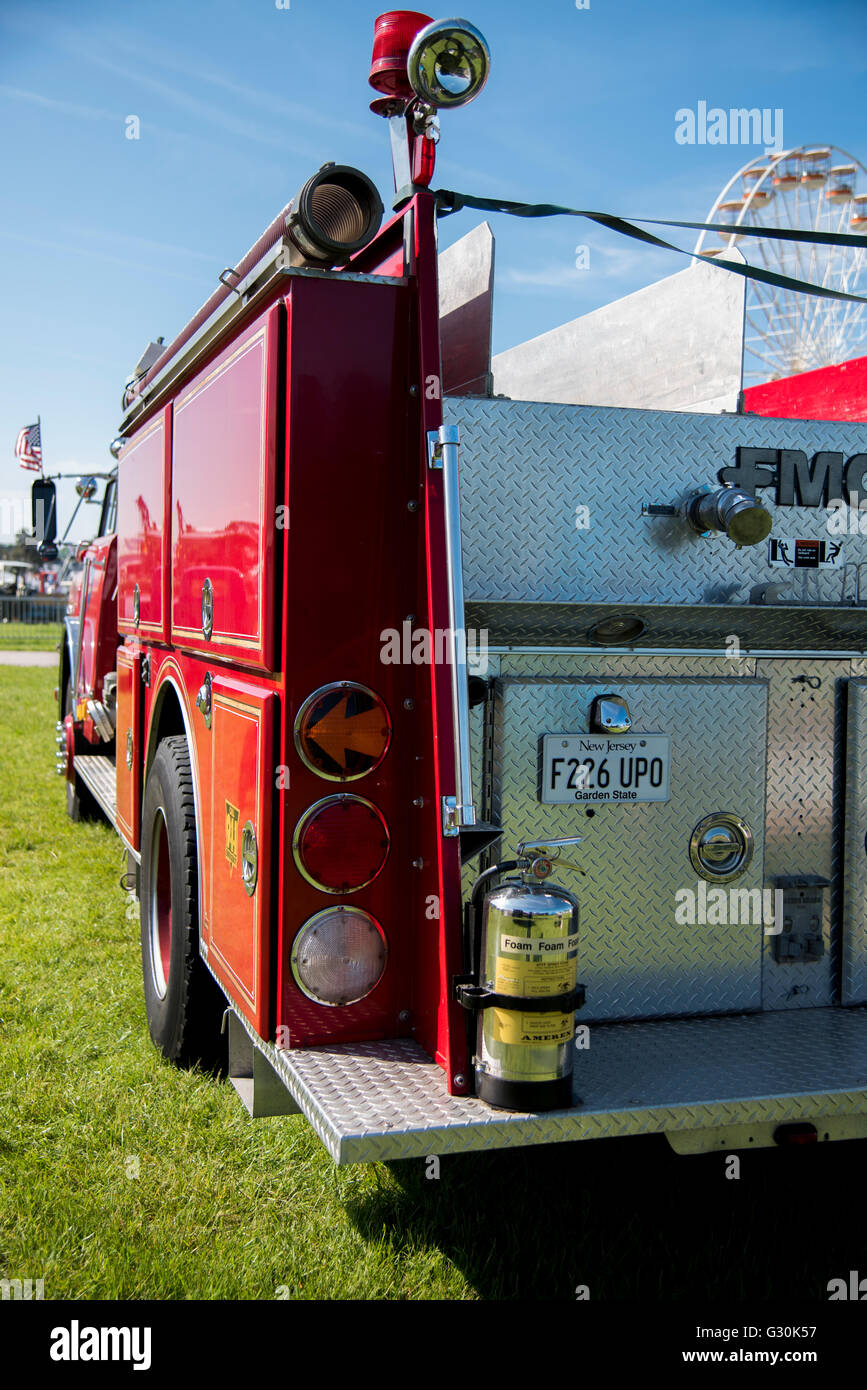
pixel 184 1004
pixel 80 804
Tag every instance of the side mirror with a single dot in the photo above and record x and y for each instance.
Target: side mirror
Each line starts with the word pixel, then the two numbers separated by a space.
pixel 44 508
pixel 87 489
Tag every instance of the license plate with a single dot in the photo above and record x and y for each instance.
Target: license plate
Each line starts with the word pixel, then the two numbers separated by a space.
pixel 594 767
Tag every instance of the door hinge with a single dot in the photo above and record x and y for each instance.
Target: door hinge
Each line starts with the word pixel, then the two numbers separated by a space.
pixel 456 817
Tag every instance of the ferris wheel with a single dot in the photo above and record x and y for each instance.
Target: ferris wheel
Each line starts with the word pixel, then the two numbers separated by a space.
pixel 812 188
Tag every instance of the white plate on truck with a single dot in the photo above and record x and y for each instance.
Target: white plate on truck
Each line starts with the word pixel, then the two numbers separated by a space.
pixel 597 767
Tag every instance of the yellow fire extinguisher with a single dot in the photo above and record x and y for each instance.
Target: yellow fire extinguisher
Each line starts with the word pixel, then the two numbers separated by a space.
pixel 524 982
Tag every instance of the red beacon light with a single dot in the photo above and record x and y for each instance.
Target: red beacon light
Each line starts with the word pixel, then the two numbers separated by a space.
pixel 393 37
pixel 422 66
pixel 443 62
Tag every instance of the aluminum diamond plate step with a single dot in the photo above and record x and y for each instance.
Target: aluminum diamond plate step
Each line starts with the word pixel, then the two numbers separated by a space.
pixel 387 1100
pixel 98 774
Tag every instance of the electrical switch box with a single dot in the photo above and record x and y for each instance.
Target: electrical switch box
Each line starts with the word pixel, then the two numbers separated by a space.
pixel 802 913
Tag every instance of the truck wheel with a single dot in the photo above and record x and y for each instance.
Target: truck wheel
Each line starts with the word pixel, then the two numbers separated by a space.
pixel 80 805
pixel 183 1002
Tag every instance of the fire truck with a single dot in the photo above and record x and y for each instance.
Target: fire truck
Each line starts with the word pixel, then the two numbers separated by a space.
pixel 487 736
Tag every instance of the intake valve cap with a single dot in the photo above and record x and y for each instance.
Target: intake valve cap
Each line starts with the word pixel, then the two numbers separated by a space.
pixel 743 519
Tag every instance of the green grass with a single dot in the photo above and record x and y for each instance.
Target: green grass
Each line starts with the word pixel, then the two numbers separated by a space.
pixel 223 1207
pixel 226 1207
pixel 29 637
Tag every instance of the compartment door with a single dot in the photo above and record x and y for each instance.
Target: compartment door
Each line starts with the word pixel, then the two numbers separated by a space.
pixel 242 735
pixel 655 938
pixel 143 531
pixel 854 934
pixel 224 448
pixel 128 745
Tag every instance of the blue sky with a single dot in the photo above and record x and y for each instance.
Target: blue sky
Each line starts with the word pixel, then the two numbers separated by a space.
pixel 108 242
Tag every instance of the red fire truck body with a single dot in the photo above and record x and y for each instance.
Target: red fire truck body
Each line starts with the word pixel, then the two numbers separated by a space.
pixel 283 504
pixel 289 472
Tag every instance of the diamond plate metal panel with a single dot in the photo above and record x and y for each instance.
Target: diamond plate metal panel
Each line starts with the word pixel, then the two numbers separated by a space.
pixel 526 467
pixel 855 850
pixel 807 784
pixel 804 810
pixel 479 755
pixel 387 1100
pixel 618 667
pixel 770 629
pixel 636 959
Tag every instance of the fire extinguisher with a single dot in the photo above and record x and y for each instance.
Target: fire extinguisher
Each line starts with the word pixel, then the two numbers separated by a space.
pixel 523 990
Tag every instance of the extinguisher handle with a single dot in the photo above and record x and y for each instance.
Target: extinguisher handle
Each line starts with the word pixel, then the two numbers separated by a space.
pixel 540 858
pixel 545 849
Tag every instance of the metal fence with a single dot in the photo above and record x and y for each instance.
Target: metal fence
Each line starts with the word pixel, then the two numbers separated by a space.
pixel 32 609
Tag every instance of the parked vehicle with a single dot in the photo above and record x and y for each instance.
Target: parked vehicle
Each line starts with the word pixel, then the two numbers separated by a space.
pixel 652 670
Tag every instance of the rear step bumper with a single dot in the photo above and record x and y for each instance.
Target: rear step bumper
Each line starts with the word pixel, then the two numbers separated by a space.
pixel 387 1100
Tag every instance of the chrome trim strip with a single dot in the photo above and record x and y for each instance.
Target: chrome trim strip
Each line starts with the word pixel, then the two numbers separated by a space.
pixel 70 627
pixel 85 580
pixel 136 854
pixel 675 651
pixel 443 446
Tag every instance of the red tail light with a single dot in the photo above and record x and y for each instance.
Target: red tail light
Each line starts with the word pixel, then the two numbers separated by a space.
pixel 341 844
pixel 423 162
pixel 796 1134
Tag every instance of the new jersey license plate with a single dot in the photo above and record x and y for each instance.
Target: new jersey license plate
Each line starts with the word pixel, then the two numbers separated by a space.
pixel 594 767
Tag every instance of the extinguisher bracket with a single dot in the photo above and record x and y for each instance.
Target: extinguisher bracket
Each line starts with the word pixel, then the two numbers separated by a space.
pixel 475 997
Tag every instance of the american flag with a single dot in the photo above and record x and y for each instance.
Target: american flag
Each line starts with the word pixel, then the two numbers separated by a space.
pixel 29 447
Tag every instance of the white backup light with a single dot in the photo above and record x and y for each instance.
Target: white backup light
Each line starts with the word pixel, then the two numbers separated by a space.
pixel 339 956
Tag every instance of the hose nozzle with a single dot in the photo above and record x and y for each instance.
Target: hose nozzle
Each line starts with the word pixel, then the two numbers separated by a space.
pixel 743 519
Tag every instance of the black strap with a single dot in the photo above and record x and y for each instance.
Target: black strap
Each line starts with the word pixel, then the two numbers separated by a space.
pixel 476 997
pixel 449 202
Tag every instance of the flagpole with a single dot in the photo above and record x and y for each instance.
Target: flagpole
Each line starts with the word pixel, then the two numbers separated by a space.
pixel 41 450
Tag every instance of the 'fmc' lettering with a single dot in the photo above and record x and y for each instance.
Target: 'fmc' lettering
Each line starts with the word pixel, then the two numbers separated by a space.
pixel 799 482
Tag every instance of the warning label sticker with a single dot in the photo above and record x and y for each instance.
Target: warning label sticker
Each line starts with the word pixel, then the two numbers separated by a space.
pixel 804 554
pixel 543 1029
pixel 534 979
